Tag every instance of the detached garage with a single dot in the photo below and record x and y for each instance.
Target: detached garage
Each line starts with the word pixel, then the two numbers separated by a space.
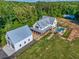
pixel 19 37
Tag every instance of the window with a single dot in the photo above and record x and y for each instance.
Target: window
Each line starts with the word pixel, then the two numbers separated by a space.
pixel 12 45
pixel 24 42
pixel 20 45
pixel 8 38
pixel 28 39
pixel 8 42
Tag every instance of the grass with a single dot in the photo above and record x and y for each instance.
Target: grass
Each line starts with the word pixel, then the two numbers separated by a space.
pixel 55 48
pixel 67 33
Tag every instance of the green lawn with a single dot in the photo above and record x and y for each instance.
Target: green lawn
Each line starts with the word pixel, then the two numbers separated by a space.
pixel 55 48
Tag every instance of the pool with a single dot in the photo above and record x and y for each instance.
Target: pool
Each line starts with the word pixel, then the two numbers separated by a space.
pixel 60 29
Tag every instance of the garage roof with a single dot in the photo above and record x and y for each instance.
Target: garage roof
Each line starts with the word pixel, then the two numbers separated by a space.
pixel 19 34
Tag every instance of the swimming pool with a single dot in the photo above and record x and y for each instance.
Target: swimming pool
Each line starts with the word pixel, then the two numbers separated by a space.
pixel 60 29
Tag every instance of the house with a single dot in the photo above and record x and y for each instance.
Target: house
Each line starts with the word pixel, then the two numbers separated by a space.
pixel 19 37
pixel 44 24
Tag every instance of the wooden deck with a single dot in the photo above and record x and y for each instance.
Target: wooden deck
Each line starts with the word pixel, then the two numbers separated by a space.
pixel 37 36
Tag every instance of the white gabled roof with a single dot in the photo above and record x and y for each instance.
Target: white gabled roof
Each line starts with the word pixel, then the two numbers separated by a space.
pixel 19 34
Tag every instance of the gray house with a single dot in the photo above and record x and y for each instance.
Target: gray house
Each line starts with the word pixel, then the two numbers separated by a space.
pixel 44 24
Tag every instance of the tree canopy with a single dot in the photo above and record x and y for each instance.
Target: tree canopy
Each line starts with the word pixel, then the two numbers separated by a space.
pixel 15 14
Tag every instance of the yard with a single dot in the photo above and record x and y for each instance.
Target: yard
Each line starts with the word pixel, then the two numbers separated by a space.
pixel 54 48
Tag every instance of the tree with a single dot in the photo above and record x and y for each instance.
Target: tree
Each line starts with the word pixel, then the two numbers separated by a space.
pixel 77 15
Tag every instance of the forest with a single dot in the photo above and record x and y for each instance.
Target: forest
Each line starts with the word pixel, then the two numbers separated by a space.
pixel 16 14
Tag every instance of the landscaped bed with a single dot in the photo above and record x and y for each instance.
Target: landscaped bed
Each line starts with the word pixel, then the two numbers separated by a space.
pixel 67 33
pixel 55 48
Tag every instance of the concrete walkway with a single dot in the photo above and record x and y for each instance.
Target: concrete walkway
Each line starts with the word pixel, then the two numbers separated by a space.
pixel 8 50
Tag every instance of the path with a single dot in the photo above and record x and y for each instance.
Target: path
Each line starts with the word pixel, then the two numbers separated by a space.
pixel 50 36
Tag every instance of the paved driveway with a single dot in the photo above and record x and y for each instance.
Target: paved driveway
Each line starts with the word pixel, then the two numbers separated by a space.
pixel 3 55
pixel 8 50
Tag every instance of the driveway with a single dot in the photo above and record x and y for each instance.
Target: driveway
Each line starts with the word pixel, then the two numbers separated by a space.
pixel 8 50
pixel 3 55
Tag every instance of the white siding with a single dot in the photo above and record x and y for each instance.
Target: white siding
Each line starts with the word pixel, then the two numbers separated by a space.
pixel 17 45
pixel 55 23
pixel 9 41
pixel 6 37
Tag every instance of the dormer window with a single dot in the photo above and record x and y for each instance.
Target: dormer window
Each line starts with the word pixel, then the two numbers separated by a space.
pixel 8 38
pixel 37 27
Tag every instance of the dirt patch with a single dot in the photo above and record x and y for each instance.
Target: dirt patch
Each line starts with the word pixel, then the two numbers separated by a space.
pixel 66 22
pixel 74 34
